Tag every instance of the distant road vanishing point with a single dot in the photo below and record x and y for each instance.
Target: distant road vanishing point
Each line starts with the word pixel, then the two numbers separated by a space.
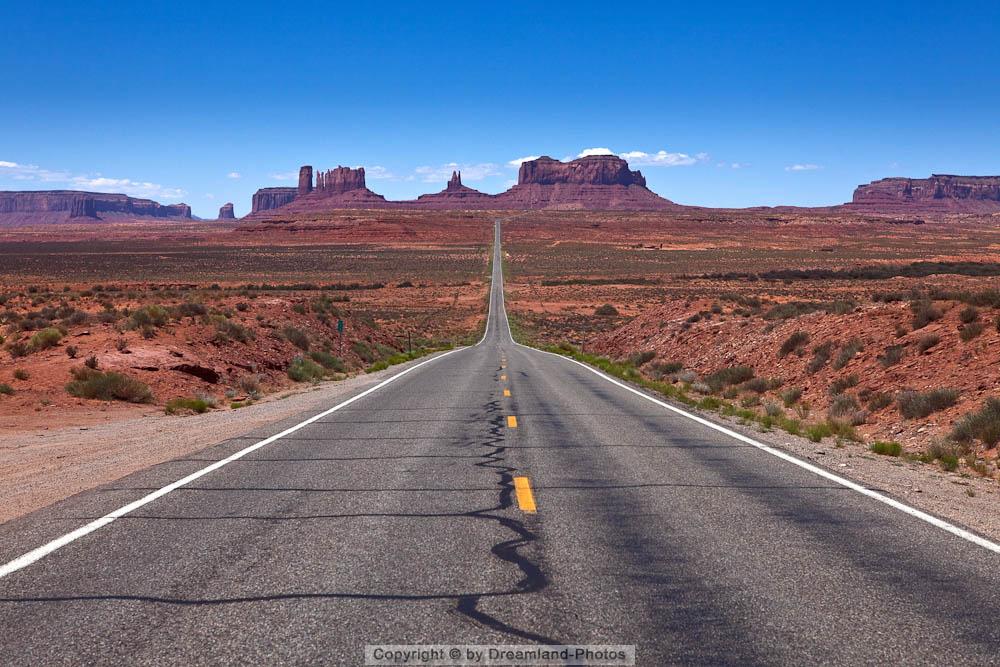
pixel 494 494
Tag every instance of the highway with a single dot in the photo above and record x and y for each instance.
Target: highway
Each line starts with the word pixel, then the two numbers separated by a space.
pixel 492 495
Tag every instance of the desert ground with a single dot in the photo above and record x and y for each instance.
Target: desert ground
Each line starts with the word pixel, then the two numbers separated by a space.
pixel 840 329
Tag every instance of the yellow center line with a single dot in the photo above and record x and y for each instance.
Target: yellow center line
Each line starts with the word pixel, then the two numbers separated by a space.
pixel 525 499
pixel 506 392
pixel 511 421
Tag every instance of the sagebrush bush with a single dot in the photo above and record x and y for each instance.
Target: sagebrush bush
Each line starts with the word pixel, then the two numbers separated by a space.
pixel 228 330
pixel 198 405
pixel 968 315
pixel 924 312
pixel 794 343
pixel 148 316
pixel 296 337
pixel 891 355
pixel 607 310
pixel 44 339
pixel 879 400
pixel 639 358
pixel 887 448
pixel 305 370
pixel 90 383
pixel 791 396
pixel 970 331
pixel 927 342
pixel 848 352
pixel 841 385
pixel 21 374
pixel 731 375
pixel 821 355
pixel 982 425
pixel 920 404
pixel 6 389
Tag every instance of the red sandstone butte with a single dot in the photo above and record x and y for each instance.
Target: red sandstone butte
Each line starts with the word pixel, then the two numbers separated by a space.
pixel 226 212
pixel 940 192
pixel 53 206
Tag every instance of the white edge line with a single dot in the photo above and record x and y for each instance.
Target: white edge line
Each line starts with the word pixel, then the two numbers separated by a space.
pixel 784 456
pixel 46 549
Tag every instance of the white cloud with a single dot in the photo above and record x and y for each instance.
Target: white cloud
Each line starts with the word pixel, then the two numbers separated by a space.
pixel 803 167
pixel 233 175
pixel 595 151
pixel 209 195
pixel 470 172
pixel 97 183
pixel 379 173
pixel 286 176
pixel 662 159
pixel 527 158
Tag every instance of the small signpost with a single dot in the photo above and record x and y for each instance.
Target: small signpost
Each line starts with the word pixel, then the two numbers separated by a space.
pixel 340 332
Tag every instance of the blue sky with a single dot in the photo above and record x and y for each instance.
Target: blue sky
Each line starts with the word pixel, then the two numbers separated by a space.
pixel 779 103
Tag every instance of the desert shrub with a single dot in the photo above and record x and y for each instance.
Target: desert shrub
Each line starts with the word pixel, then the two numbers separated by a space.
pixel 17 349
pixel 886 448
pixel 817 432
pixel 879 400
pixel 791 309
pixel 891 355
pixel 197 405
pixel 6 389
pixel 901 331
pixel 666 368
pixel 848 352
pixel 90 383
pixel 227 330
pixel 840 385
pixel 72 351
pixel 773 410
pixel 927 342
pixel 243 306
pixel 842 405
pixel 725 377
pixel 76 318
pixel 982 425
pixel 757 385
pixel 250 385
pixel 296 337
pixel 91 362
pixel 919 404
pixel 970 331
pixel 305 370
pixel 328 361
pixel 821 355
pixel 751 401
pixel 794 343
pixel 21 374
pixel 924 312
pixel 791 396
pixel 639 358
pixel 44 339
pixel 148 316
pixel 607 310
pixel 968 315
pixel 364 351
pixel 189 309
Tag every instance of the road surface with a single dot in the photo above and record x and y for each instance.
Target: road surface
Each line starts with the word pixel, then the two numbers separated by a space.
pixel 395 519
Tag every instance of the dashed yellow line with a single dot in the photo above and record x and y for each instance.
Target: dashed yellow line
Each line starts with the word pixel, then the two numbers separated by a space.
pixel 511 421
pixel 506 392
pixel 525 499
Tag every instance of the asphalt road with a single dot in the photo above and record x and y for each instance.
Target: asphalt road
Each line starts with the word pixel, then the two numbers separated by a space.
pixel 395 520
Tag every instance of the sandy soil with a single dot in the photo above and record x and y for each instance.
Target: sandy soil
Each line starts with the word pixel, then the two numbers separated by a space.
pixel 40 467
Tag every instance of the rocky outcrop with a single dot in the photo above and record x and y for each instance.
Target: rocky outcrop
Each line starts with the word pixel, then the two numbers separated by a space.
pixel 46 206
pixel 226 212
pixel 268 199
pixel 305 180
pixel 597 182
pixel 940 192
pixel 457 196
pixel 340 180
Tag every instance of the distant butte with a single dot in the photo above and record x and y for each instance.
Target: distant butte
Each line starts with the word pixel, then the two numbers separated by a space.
pixel 226 212
pixel 941 192
pixel 54 206
pixel 599 182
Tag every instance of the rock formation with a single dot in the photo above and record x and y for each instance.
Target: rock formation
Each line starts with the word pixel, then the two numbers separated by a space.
pixel 305 180
pixel 456 196
pixel 940 192
pixel 226 212
pixel 268 199
pixel 597 182
pixel 340 180
pixel 45 206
